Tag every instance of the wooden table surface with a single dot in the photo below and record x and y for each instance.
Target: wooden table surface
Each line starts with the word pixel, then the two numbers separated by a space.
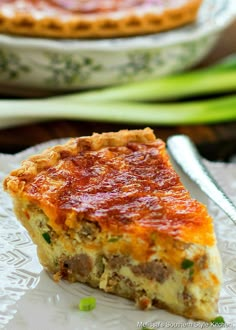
pixel 215 142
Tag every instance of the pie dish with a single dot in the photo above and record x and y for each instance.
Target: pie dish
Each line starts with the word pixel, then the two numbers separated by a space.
pixel 110 211
pixel 94 19
pixel 62 64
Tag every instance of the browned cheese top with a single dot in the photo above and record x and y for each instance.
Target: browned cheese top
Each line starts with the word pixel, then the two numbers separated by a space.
pixel 128 189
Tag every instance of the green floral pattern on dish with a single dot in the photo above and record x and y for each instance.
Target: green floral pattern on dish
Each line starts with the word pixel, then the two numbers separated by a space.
pixel 68 70
pixel 158 62
pixel 81 70
pixel 11 65
pixel 136 64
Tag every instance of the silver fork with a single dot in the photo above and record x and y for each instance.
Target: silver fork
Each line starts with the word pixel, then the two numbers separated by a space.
pixel 184 152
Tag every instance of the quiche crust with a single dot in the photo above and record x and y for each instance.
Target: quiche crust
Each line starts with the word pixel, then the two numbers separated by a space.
pixel 49 21
pixel 110 211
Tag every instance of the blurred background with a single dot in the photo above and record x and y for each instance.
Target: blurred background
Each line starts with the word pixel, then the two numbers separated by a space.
pixel 180 81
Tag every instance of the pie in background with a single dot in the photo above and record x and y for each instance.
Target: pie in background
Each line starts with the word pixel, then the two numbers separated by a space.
pixel 94 18
pixel 109 210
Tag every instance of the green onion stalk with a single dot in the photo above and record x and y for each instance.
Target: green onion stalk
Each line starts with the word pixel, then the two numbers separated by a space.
pixel 141 102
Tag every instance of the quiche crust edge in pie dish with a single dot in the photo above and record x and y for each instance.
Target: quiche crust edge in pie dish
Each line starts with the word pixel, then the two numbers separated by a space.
pixel 45 19
pixel 110 211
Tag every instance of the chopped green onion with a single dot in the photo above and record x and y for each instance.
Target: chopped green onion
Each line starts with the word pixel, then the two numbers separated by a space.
pixel 113 239
pixel 191 272
pixel 145 328
pixel 187 264
pixel 47 237
pixel 218 320
pixel 87 304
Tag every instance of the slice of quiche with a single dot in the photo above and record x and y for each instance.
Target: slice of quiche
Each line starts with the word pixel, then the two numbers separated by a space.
pixel 110 211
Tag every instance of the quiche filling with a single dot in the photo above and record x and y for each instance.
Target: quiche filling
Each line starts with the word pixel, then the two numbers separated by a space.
pixel 92 6
pixel 110 211
pixel 86 6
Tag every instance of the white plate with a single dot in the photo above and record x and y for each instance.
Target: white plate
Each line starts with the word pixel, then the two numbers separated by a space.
pixel 72 64
pixel 30 300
